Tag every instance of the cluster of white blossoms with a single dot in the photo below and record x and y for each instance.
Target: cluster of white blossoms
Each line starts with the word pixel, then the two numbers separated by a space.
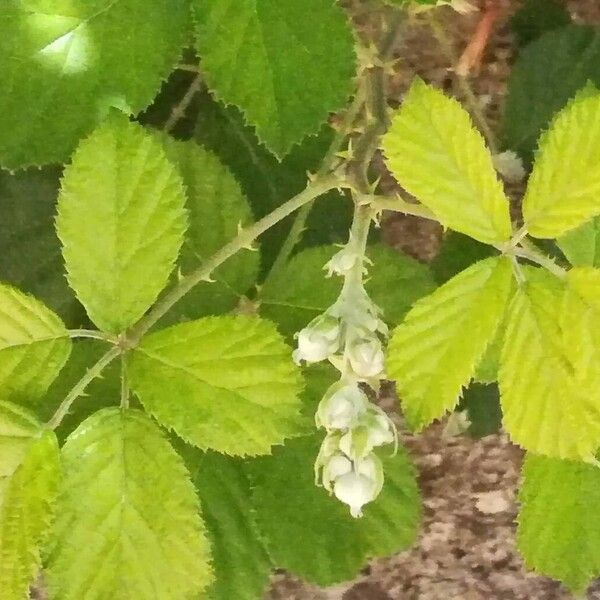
pixel 350 334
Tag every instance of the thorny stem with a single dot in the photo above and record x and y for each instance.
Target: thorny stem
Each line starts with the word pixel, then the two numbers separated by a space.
pixel 398 204
pixel 93 334
pixel 530 252
pixel 81 385
pixel 463 83
pixel 243 240
pixel 181 107
pixel 124 384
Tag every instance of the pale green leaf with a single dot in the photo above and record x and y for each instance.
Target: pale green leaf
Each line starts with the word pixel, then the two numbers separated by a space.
pixel 30 257
pixel 128 525
pixel 312 534
pixel 301 290
pixel 240 560
pixel 436 154
pixel 559 523
pixel 121 220
pixel 549 374
pixel 581 246
pixel 64 63
pixel 217 208
pixel 223 383
pixel 34 346
pixel 564 188
pixel 286 64
pixel 29 476
pixel 433 354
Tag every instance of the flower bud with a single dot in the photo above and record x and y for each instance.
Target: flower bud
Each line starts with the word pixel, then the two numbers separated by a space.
pixel 342 406
pixel 375 429
pixel 318 340
pixel 341 263
pixel 360 486
pixel 366 357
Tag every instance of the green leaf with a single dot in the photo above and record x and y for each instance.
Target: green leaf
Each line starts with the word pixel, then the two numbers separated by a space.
pixel 128 522
pixel 268 182
pixel 217 208
pixel 240 560
pixel 285 64
pixel 581 246
pixel 102 392
pixel 563 190
pixel 312 534
pixel 559 523
pixel 30 257
pixel 223 383
pixel 66 62
pixel 436 154
pixel 34 346
pixel 29 476
pixel 121 220
pixel 546 75
pixel 301 290
pixel 433 354
pixel 549 376
pixel 536 17
pixel 482 403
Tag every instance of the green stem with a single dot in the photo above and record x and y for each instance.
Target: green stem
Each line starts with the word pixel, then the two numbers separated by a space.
pixel 397 204
pixel 357 243
pixel 93 334
pixel 124 384
pixel 81 386
pixel 181 107
pixel 530 252
pixel 244 239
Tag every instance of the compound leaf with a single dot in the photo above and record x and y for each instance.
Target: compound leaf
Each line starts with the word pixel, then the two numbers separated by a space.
pixel 581 246
pixel 34 346
pixel 285 64
pixel 301 290
pixel 66 62
pixel 240 560
pixel 29 477
pixel 121 220
pixel 436 154
pixel 128 522
pixel 331 546
pixel 223 383
pixel 217 208
pixel 549 375
pixel 564 188
pixel 559 524
pixel 434 353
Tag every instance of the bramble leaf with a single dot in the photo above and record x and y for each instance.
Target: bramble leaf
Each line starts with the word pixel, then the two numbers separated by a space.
pixel 34 346
pixel 581 246
pixel 301 290
pixel 223 383
pixel 549 376
pixel 434 353
pixel 128 522
pixel 559 524
pixel 29 477
pixel 240 560
pixel 216 209
pixel 545 76
pixel 30 257
pixel 333 546
pixel 564 188
pixel 121 220
pixel 435 153
pixel 65 63
pixel 285 64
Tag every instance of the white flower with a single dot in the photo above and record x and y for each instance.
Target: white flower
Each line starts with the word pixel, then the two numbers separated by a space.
pixel 318 340
pixel 366 357
pixel 361 485
pixel 375 429
pixel 337 466
pixel 342 406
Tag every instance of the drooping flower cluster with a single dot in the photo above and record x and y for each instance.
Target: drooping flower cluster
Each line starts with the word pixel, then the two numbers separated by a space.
pixel 349 334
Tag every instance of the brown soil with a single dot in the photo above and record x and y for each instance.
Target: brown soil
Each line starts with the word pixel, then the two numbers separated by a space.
pixel 466 549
